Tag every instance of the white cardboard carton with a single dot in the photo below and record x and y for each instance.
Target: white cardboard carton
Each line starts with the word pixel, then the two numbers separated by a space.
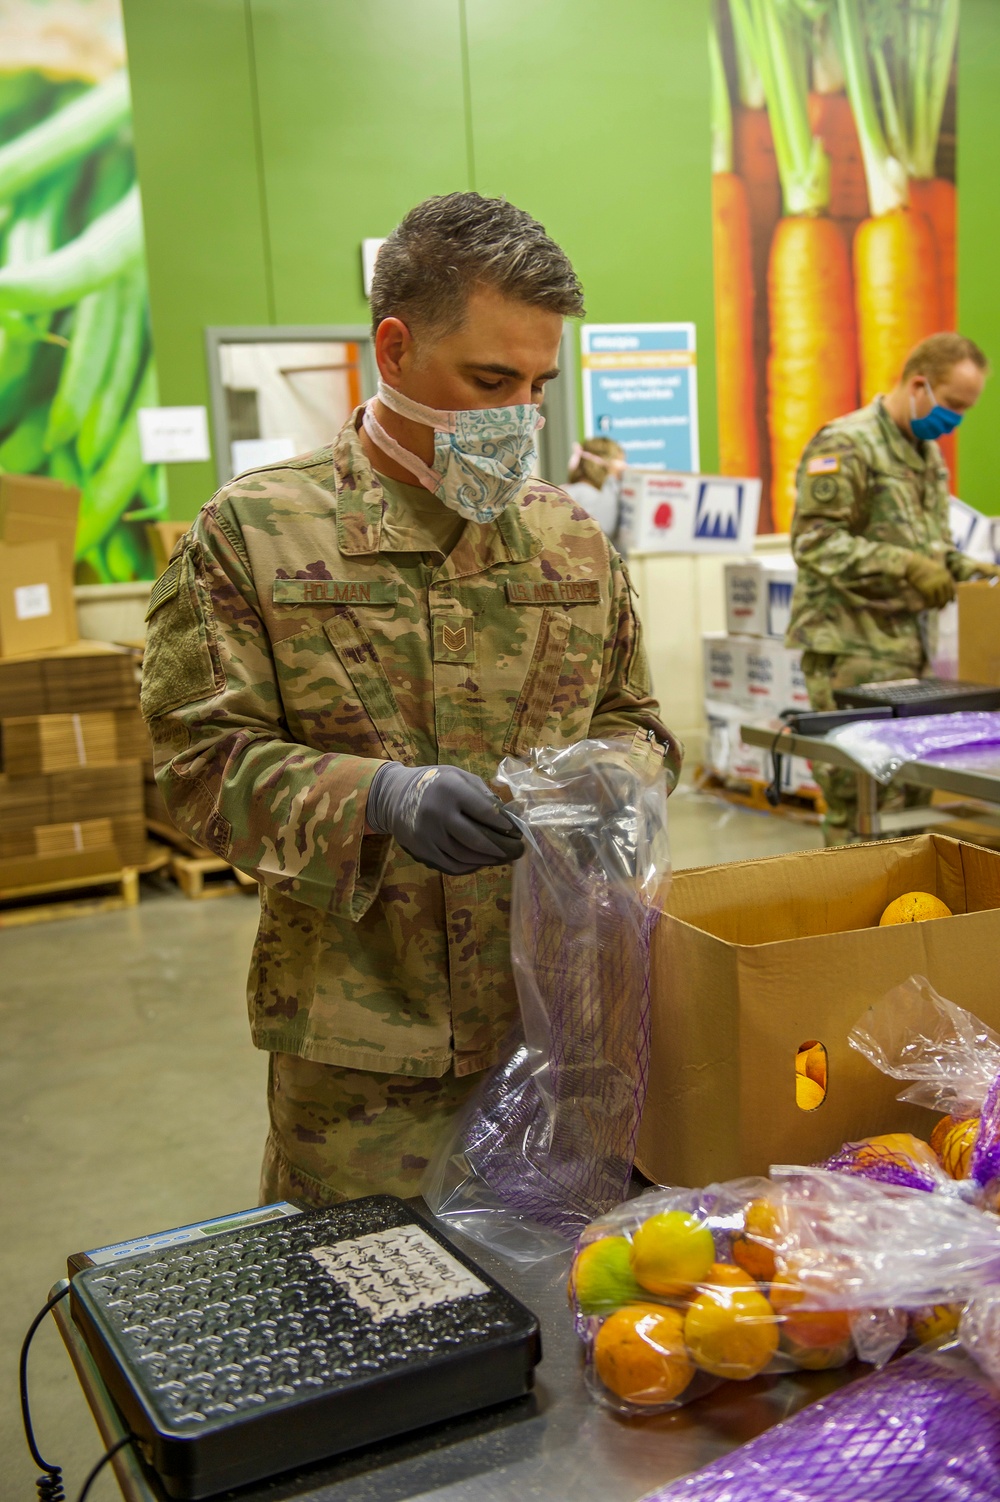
pixel 759 596
pixel 666 512
pixel 726 754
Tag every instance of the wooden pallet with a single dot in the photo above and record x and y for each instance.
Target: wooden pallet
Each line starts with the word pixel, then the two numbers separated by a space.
pixel 190 873
pixel 802 808
pixel 47 901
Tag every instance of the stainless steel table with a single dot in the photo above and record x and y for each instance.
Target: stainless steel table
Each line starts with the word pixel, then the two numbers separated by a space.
pixel 556 1444
pixel 966 774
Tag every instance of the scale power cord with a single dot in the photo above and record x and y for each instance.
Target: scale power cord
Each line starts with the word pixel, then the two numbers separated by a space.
pixel 49 1484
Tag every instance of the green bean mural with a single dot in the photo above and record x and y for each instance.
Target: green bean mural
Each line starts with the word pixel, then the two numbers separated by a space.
pixel 75 356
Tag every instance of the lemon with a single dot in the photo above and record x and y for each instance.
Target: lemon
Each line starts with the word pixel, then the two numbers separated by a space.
pixel 731 1332
pixel 671 1252
pixel 601 1276
pixel 934 1321
pixel 639 1354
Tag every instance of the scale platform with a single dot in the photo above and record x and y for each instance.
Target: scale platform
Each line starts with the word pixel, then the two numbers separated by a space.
pixel 290 1340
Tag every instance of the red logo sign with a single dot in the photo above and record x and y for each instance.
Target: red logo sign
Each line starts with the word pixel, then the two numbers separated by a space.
pixel 663 516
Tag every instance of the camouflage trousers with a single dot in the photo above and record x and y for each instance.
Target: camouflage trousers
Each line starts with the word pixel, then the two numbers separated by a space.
pixel 340 1133
pixel 824 672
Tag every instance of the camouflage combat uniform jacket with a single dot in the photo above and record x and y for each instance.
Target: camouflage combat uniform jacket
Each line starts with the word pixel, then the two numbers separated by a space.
pixel 868 498
pixel 289 653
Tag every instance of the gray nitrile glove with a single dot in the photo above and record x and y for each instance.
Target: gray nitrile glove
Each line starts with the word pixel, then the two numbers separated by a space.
pixel 444 817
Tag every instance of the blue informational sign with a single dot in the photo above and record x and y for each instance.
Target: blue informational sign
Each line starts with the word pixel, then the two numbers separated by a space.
pixel 640 388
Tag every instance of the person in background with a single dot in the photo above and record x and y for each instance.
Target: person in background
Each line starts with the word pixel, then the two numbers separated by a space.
pixel 595 472
pixel 339 656
pixel 872 540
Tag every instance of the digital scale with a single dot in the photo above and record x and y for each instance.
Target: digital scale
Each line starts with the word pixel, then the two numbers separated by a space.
pixel 904 697
pixel 240 1347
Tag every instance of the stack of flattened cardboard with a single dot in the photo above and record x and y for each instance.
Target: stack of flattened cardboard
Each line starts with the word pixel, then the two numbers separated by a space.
pixel 72 745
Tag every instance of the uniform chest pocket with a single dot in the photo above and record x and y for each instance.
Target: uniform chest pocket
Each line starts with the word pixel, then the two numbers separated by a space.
pixel 560 689
pixel 371 683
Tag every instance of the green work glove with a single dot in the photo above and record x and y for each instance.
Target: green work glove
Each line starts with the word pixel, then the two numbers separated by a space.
pixel 987 570
pixel 930 579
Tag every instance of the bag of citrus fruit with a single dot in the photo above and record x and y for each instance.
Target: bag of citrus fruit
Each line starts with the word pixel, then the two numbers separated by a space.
pixel 681 1289
pixel 952 1061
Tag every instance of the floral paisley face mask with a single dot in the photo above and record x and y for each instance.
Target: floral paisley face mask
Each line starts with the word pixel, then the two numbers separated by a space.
pixel 482 456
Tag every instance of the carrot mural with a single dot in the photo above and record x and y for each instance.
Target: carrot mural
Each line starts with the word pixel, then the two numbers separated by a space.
pixel 739 451
pixel 858 98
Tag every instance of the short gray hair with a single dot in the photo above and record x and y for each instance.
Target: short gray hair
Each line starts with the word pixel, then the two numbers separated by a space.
pixel 447 246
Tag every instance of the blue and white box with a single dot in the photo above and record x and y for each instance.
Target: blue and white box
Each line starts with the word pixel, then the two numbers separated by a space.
pixel 759 596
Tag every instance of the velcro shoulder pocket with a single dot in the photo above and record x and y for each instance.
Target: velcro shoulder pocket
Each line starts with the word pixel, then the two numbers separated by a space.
pixel 180 660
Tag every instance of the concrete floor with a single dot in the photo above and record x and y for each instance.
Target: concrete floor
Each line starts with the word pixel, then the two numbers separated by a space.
pixel 131 1100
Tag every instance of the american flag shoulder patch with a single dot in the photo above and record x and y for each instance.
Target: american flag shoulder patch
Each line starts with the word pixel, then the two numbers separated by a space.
pixel 823 464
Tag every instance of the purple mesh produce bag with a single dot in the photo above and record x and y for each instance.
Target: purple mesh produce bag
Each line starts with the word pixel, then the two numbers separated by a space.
pixel 925 1429
pixel 548 1139
pixel 883 746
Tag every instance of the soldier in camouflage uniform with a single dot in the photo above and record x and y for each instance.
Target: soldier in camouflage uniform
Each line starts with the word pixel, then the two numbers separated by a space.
pixel 338 659
pixel 873 545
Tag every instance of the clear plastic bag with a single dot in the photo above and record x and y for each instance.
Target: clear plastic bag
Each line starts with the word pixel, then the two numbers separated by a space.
pixel 952 1060
pixel 547 1140
pixel 681 1289
pixel 881 747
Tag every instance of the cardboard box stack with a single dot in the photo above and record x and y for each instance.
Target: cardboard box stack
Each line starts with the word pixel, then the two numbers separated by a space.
pixel 72 746
pixel 750 676
pixel 72 742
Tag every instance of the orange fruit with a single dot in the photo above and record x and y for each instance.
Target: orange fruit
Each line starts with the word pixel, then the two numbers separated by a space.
pixel 731 1332
pixel 817 1358
pixel 934 1321
pixel 955 1151
pixel 601 1278
pixel 816 1328
pixel 725 1275
pixel 914 907
pixel 639 1354
pixel 941 1131
pixel 753 1247
pixel 671 1252
pixel 895 1146
pixel 808 1095
pixel 811 1061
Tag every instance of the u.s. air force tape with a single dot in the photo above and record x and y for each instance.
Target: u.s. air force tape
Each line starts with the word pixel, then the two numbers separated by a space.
pixel 553 591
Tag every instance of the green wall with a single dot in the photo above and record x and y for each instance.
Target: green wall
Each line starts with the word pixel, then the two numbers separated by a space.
pixel 978 239
pixel 272 136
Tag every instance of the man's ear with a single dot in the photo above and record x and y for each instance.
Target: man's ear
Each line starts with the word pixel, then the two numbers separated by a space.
pixel 393 341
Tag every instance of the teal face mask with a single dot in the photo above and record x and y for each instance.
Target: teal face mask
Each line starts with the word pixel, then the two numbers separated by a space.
pixel 939 420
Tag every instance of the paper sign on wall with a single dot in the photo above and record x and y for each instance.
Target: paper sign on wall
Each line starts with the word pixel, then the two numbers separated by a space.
pixel 173 435
pixel 640 388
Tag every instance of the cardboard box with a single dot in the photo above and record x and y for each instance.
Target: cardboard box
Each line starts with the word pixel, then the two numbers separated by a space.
pixel 126 833
pixel 34 508
pixel 83 677
pixel 25 872
pixel 68 797
pixel 36 599
pixel 726 753
pixel 59 742
pixel 666 512
pixel 163 538
pixel 751 960
pixel 759 596
pixel 724 662
pixel 979 632
pixel 758 673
